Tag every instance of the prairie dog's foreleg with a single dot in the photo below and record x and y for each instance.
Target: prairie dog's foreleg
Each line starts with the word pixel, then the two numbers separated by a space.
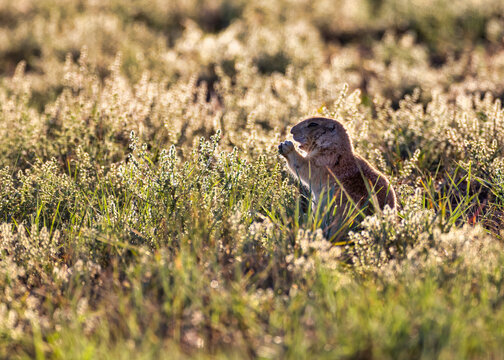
pixel 298 164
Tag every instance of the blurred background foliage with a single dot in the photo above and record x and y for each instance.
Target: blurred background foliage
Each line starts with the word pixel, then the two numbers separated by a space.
pixel 380 46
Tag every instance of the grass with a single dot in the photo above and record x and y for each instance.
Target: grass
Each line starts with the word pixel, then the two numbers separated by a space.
pixel 145 212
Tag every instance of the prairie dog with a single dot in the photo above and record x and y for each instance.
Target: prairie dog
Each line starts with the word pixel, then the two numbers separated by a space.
pixel 330 156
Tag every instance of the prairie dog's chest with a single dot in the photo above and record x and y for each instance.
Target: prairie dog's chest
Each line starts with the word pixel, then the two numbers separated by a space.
pixel 324 191
pixel 320 182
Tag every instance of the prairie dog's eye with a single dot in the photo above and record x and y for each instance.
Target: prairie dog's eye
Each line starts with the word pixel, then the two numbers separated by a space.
pixel 313 124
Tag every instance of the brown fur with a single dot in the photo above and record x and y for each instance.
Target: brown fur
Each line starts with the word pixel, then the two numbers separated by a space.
pixel 330 160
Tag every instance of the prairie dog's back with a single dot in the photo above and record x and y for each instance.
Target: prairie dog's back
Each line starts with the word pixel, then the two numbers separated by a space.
pixel 377 182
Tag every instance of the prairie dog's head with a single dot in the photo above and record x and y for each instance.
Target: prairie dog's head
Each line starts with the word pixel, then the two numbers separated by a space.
pixel 320 133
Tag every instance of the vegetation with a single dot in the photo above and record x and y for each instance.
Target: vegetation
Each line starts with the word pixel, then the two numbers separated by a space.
pixel 145 212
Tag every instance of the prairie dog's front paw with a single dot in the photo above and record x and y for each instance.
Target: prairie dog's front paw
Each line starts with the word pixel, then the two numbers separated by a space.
pixel 285 147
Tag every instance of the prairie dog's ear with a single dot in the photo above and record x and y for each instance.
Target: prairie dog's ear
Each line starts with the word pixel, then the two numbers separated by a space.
pixel 329 137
